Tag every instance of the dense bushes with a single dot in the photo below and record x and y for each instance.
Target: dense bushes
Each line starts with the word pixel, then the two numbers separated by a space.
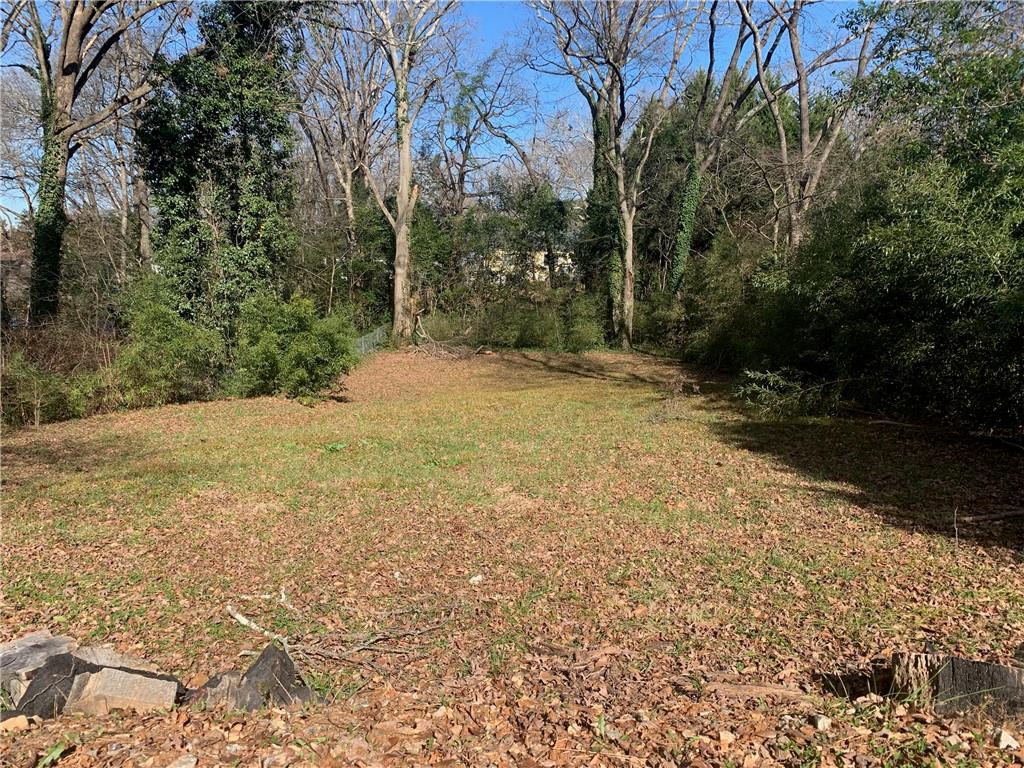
pixel 280 347
pixel 33 395
pixel 552 320
pixel 584 329
pixel 907 294
pixel 53 373
pixel 287 348
pixel 167 359
pixel 916 294
pixel 907 298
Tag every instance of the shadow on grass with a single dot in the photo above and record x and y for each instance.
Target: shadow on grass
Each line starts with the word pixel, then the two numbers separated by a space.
pixel 30 453
pixel 101 464
pixel 915 478
pixel 635 369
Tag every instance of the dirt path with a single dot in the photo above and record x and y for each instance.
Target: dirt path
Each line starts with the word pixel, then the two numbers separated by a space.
pixel 601 538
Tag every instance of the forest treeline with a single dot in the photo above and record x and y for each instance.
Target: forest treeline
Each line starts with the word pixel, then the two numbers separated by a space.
pixel 217 198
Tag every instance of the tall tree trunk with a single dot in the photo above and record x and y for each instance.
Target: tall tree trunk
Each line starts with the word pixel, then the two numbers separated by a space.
pixel 345 181
pixel 684 229
pixel 628 280
pixel 50 219
pixel 347 189
pixel 401 306
pixel 603 225
pixel 550 261
pixel 797 217
pixel 616 287
pixel 145 221
pixel 140 202
pixel 126 209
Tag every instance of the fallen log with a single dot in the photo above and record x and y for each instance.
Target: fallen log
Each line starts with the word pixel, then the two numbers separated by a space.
pixel 745 691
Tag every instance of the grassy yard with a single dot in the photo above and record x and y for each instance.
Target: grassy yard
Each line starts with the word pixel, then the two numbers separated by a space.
pixel 563 552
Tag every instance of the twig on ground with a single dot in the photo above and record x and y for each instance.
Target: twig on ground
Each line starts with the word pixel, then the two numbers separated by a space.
pixel 285 602
pixel 309 652
pixel 250 624
pixel 426 345
pixel 371 643
pixel 282 639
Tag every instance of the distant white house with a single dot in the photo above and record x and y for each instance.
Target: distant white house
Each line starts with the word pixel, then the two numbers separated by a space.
pixel 505 263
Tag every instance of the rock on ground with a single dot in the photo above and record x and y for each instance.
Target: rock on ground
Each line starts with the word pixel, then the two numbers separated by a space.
pixel 51 684
pixel 20 658
pixel 65 677
pixel 101 692
pixel 104 656
pixel 272 680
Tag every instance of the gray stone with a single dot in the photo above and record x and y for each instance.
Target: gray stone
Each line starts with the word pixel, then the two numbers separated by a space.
pixel 272 680
pixel 821 722
pixel 1004 740
pixel 104 656
pixel 16 687
pixel 48 690
pixel 77 685
pixel 275 677
pixel 185 761
pixel 100 693
pixel 52 684
pixel 227 690
pixel 20 658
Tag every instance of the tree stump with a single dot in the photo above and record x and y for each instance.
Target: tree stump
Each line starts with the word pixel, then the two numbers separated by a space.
pixel 948 684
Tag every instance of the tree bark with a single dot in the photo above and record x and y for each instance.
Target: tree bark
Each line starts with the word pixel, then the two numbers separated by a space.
pixel 797 221
pixel 405 201
pixel 550 261
pixel 628 281
pixel 50 220
pixel 145 221
pixel 604 227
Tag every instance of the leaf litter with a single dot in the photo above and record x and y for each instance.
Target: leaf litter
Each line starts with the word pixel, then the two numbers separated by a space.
pixel 519 559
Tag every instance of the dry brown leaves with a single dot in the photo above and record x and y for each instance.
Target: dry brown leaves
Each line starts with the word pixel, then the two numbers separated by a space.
pixel 617 557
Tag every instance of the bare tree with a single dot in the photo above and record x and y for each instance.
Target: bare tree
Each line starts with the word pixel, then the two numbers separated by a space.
pixel 105 175
pixel 405 32
pixel 725 101
pixel 19 145
pixel 506 109
pixel 622 55
pixel 65 44
pixel 802 166
pixel 342 82
pixel 460 128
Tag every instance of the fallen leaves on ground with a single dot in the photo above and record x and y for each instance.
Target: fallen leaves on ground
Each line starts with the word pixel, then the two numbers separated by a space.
pixel 624 568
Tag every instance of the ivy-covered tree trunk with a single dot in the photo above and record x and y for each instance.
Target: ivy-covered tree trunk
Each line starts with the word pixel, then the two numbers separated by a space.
pixel 604 257
pixel 215 142
pixel 615 287
pixel 688 202
pixel 551 263
pixel 50 220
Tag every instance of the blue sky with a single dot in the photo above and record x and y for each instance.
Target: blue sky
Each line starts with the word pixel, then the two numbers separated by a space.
pixel 496 19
